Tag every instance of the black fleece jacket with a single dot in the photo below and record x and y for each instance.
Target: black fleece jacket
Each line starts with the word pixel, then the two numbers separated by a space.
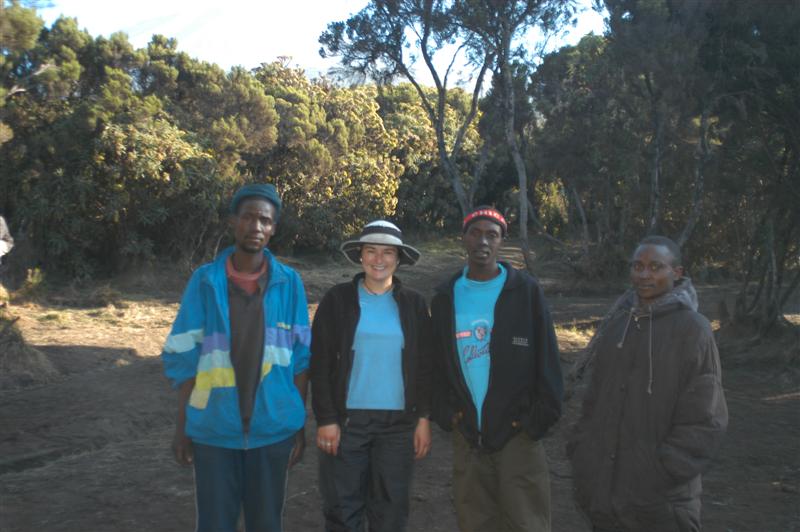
pixel 525 383
pixel 332 334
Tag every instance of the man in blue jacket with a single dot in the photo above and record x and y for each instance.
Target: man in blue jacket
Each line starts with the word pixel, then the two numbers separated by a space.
pixel 238 355
pixel 499 384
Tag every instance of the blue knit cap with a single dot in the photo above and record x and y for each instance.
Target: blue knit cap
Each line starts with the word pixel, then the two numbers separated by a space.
pixel 265 191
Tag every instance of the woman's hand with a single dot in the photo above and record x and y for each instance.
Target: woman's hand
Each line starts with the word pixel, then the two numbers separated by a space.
pixel 328 438
pixel 422 438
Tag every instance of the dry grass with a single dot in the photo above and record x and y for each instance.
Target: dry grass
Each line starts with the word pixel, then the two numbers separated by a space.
pixel 573 338
pixel 140 325
pixel 20 364
pixel 98 315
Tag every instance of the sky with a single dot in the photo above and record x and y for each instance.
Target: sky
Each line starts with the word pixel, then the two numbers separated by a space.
pixel 236 32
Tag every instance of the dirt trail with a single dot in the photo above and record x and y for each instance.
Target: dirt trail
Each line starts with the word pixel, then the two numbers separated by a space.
pixel 90 450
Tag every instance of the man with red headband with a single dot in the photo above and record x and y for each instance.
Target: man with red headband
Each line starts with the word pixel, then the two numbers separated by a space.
pixel 498 384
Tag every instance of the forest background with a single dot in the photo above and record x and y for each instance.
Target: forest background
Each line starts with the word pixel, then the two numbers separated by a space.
pixel 682 119
pixel 117 164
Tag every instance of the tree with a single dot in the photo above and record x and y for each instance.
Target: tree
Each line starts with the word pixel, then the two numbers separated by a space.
pixel 658 42
pixel 424 195
pixel 376 43
pixel 332 161
pixel 95 167
pixel 19 28
pixel 758 47
pixel 684 119
pixel 492 30
pixel 588 147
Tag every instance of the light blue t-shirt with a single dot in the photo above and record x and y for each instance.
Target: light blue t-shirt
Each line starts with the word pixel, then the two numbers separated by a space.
pixel 376 380
pixel 474 305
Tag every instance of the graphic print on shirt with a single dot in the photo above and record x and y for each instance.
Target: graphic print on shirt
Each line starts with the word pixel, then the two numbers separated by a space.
pixel 476 344
pixel 474 303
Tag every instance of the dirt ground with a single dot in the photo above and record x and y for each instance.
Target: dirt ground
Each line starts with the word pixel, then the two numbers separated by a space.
pixel 89 449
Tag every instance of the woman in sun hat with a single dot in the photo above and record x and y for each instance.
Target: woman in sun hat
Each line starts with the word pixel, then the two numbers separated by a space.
pixel 370 379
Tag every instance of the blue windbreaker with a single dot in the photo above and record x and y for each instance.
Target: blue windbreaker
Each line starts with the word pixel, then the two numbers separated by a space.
pixel 199 346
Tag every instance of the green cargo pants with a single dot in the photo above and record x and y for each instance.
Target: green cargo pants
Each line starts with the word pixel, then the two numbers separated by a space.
pixel 504 491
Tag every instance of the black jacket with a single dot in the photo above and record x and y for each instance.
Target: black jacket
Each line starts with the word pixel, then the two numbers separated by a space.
pixel 525 383
pixel 332 334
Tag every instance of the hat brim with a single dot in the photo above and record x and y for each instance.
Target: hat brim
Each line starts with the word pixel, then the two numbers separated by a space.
pixel 352 248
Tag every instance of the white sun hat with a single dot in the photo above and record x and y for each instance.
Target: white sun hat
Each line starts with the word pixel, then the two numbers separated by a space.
pixel 382 233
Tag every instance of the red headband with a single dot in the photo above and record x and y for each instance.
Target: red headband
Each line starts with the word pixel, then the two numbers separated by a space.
pixel 491 214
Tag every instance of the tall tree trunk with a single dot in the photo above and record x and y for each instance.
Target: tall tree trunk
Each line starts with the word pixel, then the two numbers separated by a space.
pixel 605 214
pixel 483 158
pixel 655 174
pixel 535 219
pixel 623 223
pixel 584 223
pixel 769 302
pixel 436 112
pixel 702 155
pixel 513 144
pixel 657 146
pixel 453 175
pixel 790 289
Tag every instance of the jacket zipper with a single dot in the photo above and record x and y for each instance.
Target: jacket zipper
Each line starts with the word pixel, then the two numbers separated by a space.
pixel 405 358
pixel 221 297
pixel 491 362
pixel 458 361
pixel 456 358
pixel 352 353
pixel 459 371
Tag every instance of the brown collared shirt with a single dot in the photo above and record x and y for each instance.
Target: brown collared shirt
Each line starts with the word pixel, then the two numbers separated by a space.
pixel 246 312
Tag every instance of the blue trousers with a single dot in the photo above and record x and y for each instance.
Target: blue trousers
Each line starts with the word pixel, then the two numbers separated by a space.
pixel 228 481
pixel 369 480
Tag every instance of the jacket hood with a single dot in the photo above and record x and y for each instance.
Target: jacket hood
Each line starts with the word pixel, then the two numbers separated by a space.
pixel 682 295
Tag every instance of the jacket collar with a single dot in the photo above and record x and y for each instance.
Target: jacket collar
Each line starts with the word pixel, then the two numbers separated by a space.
pixel 357 278
pixel 513 279
pixel 217 273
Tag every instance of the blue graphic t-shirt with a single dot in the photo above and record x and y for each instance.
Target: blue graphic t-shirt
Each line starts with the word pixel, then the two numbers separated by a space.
pixel 376 380
pixel 474 305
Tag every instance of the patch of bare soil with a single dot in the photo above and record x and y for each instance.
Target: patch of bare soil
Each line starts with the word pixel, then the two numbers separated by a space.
pixel 88 448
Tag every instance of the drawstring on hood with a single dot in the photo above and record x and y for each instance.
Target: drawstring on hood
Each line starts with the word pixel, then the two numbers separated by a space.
pixel 621 343
pixel 650 355
pixel 625 331
pixel 683 294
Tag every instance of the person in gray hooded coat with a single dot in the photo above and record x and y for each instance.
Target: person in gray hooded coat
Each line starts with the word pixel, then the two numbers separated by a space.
pixel 654 411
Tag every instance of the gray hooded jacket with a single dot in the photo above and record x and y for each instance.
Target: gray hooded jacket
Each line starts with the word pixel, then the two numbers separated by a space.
pixel 654 415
